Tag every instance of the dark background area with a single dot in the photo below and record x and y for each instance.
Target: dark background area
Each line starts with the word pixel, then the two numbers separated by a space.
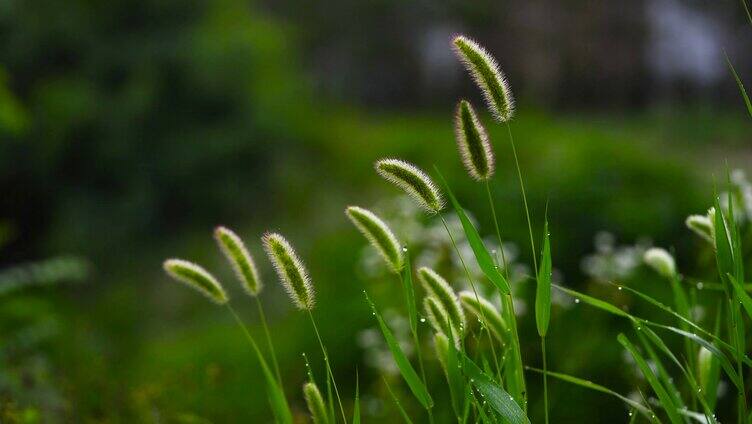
pixel 129 129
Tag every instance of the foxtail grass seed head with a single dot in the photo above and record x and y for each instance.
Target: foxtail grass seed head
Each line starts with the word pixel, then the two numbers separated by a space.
pixel 704 365
pixel 701 225
pixel 379 235
pixel 441 344
pixel 473 144
pixel 439 319
pixel 290 270
pixel 436 286
pixel 241 261
pixel 483 309
pixel 416 183
pixel 661 261
pixel 197 278
pixel 486 73
pixel 315 403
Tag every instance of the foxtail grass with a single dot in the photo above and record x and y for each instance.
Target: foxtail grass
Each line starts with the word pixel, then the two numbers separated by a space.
pixel 413 181
pixel 315 403
pixel 197 278
pixel 472 143
pixel 379 235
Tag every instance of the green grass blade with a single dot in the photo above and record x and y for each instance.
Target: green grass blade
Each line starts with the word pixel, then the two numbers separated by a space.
pixel 663 375
pixel 397 402
pixel 663 396
pixel 543 289
pixel 593 386
pixel 739 82
pixel 741 295
pixel 277 398
pixel 605 306
pixel 482 256
pixel 723 254
pixel 456 382
pixel 403 364
pixel 356 402
pixel 498 398
pixel 407 286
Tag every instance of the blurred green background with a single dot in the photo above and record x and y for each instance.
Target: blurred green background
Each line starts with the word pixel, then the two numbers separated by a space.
pixel 129 129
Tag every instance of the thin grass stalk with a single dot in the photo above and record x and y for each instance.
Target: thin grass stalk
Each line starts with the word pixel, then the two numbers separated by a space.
pixel 416 340
pixel 475 292
pixel 545 379
pixel 507 300
pixel 524 199
pixel 275 364
pixel 328 366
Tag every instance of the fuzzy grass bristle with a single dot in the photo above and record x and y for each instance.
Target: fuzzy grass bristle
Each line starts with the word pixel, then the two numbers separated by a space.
pixel 440 321
pixel 197 278
pixel 661 261
pixel 483 309
pixel 315 403
pixel 473 143
pixel 438 287
pixel 487 74
pixel 240 259
pixel 416 183
pixel 290 270
pixel 379 235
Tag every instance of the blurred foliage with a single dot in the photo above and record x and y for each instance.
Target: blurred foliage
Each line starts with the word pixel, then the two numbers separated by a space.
pixel 129 129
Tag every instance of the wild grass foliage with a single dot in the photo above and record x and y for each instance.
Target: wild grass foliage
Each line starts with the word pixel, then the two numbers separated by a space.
pixel 474 329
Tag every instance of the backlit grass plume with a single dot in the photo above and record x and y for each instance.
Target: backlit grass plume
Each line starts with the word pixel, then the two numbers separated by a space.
pixel 473 144
pixel 702 225
pixel 196 277
pixel 315 403
pixel 241 261
pixel 416 183
pixel 486 73
pixel 484 309
pixel 379 234
pixel 439 318
pixel 661 261
pixel 438 287
pixel 290 270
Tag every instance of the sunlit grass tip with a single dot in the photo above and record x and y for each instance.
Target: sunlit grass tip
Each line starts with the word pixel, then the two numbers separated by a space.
pixel 487 74
pixel 702 225
pixel 661 261
pixel 315 403
pixel 438 287
pixel 379 235
pixel 240 259
pixel 473 143
pixel 416 183
pixel 482 309
pixel 439 319
pixel 197 278
pixel 290 270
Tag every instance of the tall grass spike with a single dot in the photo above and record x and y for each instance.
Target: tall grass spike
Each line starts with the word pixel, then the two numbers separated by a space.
pixel 315 403
pixel 290 270
pixel 416 183
pixel 240 259
pixel 379 235
pixel 439 318
pixel 486 73
pixel 482 309
pixel 473 143
pixel 438 287
pixel 197 278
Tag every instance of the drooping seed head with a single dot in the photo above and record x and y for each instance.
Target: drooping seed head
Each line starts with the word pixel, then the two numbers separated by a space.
pixel 379 234
pixel 486 313
pixel 416 183
pixel 661 261
pixel 441 345
pixel 486 73
pixel 315 403
pixel 240 260
pixel 197 278
pixel 473 144
pixel 290 270
pixel 440 321
pixel 436 286
pixel 701 225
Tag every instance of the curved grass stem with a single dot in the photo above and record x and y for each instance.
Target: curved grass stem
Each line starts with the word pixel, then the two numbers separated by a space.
pixel 545 379
pixel 524 198
pixel 272 352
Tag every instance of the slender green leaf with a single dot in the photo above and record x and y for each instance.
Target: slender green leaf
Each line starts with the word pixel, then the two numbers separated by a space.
pixel 593 386
pixel 543 290
pixel 407 286
pixel 738 80
pixel 663 396
pixel 741 295
pixel 663 375
pixel 498 398
pixel 356 402
pixel 482 256
pixel 724 256
pixel 403 364
pixel 594 302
